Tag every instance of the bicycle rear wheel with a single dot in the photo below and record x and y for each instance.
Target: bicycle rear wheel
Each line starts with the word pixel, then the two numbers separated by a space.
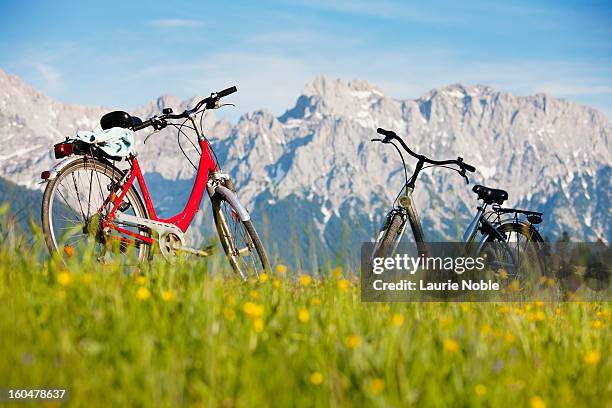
pixel 240 241
pixel 75 204
pixel 519 255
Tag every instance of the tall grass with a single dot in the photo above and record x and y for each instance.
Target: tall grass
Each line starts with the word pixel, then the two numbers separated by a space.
pixel 191 334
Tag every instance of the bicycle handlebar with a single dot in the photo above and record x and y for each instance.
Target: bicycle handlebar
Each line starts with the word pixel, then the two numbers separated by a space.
pixel 159 122
pixel 390 135
pixel 227 91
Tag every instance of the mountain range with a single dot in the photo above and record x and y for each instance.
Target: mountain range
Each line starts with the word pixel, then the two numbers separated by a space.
pixel 318 187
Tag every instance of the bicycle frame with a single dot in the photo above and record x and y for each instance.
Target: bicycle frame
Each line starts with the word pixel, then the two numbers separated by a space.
pixel 410 216
pixel 182 220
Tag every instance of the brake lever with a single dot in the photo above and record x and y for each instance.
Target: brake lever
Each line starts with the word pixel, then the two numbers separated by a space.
pixel 385 140
pixel 213 104
pixel 148 136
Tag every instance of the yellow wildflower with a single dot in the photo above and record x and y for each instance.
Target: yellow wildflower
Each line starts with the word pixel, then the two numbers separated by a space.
pixel 276 283
pixel 536 402
pixel 450 346
pixel 305 280
pixel 343 284
pixel 597 324
pixel 229 314
pixel 446 322
pixel 538 316
pixel 141 279
pixel 263 278
pixel 168 296
pixel 143 293
pixel 592 357
pixel 397 319
pixel 353 341
pixel 504 309
pixel 254 294
pixel 282 269
pixel 69 250
pixel 303 315
pixel 253 310
pixel 337 272
pixel 258 325
pixel 315 301
pixel 316 378
pixel 480 390
pixel 509 338
pixel 64 278
pixel 377 385
pixel 515 286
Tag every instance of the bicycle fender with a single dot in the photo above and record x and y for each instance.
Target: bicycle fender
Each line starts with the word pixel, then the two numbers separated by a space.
pixel 231 198
pixel 59 166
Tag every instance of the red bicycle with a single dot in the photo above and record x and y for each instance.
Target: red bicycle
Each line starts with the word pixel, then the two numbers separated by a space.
pixel 88 200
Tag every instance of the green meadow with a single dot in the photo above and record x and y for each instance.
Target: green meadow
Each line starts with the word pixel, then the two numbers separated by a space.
pixel 191 334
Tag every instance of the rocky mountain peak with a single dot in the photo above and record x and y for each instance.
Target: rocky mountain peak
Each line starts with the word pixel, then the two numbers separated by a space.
pixel 551 155
pixel 325 88
pixel 327 97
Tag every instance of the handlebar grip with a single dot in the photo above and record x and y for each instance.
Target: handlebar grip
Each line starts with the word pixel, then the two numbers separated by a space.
pixel 142 125
pixel 469 168
pixel 227 91
pixel 387 133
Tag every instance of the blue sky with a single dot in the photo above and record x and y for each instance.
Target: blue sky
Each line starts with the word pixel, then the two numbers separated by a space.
pixel 123 54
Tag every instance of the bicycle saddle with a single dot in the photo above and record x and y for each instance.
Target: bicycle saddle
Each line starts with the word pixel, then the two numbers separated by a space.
pixel 118 119
pixel 490 195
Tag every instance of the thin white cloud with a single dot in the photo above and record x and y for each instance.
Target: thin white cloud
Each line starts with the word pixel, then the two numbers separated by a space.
pixel 175 23
pixel 51 78
pixel 273 79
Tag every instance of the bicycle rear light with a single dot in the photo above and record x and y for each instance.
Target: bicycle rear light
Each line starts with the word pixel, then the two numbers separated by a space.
pixel 63 150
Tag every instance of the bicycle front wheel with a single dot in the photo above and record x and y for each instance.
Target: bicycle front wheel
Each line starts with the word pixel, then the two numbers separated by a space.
pixel 388 237
pixel 241 243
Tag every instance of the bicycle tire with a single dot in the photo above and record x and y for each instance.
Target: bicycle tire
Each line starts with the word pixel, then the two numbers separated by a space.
pixel 228 240
pixel 531 236
pixel 389 237
pixel 93 165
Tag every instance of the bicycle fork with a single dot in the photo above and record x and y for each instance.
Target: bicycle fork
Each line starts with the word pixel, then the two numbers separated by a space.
pixel 408 215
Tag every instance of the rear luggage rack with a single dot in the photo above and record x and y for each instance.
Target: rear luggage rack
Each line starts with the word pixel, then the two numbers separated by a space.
pixel 533 217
